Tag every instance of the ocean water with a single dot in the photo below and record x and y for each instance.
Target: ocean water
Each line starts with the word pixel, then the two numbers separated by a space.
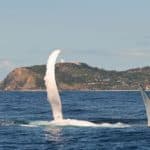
pixel 23 114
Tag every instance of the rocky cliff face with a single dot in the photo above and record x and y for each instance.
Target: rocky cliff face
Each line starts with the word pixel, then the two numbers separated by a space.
pixel 21 79
pixel 72 76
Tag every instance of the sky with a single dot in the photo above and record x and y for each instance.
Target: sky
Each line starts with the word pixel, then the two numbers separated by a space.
pixel 109 34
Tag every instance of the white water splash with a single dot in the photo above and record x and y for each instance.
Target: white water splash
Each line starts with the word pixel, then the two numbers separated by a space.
pixel 76 123
pixel 83 123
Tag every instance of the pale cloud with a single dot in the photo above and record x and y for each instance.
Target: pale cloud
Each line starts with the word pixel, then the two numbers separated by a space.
pixel 136 53
pixel 4 63
pixel 5 67
pixel 92 51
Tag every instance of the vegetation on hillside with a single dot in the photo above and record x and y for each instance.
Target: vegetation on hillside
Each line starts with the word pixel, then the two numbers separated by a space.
pixel 77 76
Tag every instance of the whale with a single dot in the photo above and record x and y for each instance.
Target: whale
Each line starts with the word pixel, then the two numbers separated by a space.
pixel 55 100
pixel 54 97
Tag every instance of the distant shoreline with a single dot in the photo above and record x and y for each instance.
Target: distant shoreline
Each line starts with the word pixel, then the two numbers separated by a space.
pixel 72 90
pixel 74 77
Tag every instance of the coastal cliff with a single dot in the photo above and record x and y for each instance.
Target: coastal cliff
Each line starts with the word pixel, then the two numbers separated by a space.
pixel 76 76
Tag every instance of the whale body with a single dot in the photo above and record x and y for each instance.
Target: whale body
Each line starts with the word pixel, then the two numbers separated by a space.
pixel 55 101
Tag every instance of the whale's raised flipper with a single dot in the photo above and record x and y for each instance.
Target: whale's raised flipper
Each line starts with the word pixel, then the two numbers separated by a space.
pixel 146 100
pixel 52 90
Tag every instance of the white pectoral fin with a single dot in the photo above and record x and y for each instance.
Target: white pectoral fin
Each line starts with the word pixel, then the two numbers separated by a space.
pixel 146 100
pixel 52 90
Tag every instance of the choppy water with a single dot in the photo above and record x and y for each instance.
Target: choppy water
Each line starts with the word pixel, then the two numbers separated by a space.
pixel 24 120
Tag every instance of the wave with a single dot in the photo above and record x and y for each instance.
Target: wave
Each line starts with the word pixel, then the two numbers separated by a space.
pixel 6 123
pixel 12 122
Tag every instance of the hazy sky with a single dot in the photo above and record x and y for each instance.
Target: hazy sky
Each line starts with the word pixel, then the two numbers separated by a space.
pixel 110 34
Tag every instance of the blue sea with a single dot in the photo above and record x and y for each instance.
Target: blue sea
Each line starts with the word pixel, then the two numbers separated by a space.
pixel 19 109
